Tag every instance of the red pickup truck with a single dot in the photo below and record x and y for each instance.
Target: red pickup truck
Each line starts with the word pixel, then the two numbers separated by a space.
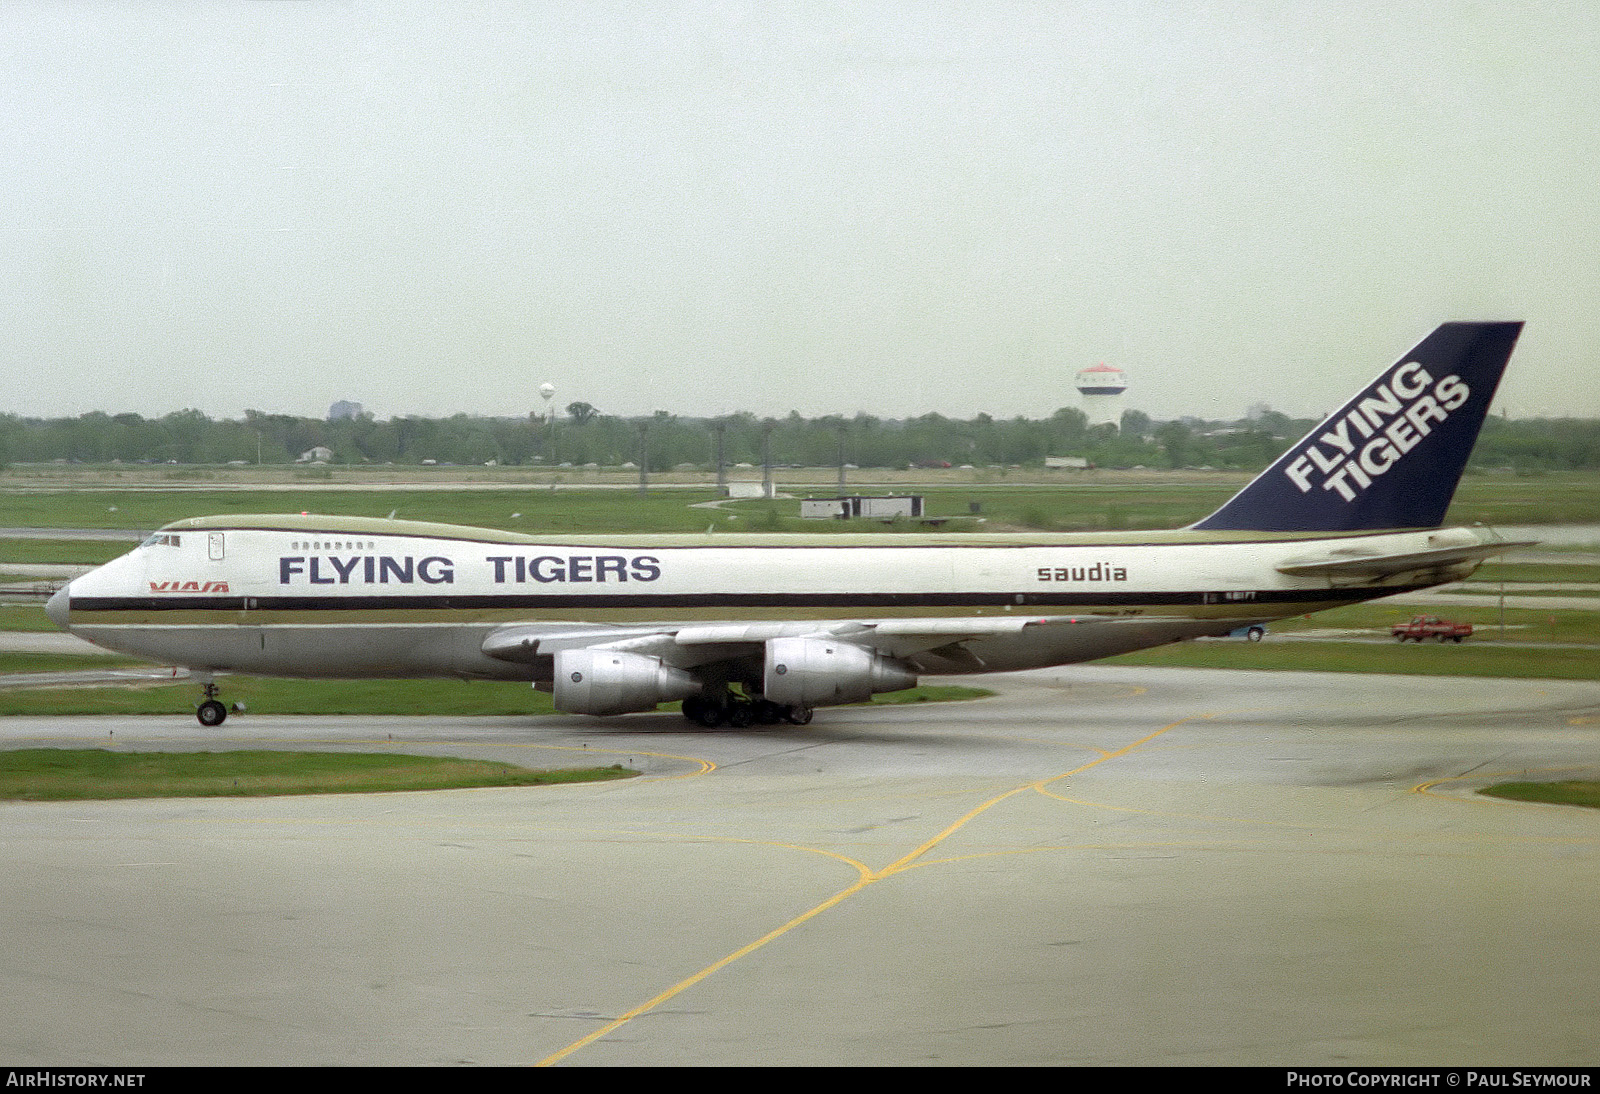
pixel 1423 627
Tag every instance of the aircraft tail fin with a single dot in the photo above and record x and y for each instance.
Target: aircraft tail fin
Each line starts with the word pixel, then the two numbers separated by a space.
pixel 1392 456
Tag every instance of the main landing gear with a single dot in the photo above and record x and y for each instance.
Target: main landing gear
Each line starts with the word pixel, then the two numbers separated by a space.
pixel 713 711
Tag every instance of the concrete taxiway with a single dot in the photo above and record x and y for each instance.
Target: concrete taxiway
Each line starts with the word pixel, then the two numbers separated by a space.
pixel 1100 866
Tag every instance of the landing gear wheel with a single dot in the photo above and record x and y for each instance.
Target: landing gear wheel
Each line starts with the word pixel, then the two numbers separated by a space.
pixel 706 713
pixel 211 713
pixel 741 713
pixel 799 716
pixel 768 713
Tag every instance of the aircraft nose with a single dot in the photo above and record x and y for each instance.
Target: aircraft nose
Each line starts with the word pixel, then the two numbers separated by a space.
pixel 59 605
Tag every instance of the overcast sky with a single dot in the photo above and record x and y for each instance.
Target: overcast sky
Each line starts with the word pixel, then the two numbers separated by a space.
pixel 829 207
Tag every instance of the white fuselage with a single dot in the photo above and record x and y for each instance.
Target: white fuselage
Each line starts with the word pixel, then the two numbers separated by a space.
pixel 355 598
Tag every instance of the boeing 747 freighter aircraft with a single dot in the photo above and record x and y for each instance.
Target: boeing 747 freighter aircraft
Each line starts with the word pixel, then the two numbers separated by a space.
pixel 747 628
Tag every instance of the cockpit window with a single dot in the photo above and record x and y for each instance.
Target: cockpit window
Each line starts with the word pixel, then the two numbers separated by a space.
pixel 161 539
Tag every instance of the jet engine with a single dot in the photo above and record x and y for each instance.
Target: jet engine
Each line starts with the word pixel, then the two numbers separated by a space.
pixel 820 672
pixel 600 681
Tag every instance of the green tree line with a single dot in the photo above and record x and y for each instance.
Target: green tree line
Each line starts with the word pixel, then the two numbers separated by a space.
pixel 585 435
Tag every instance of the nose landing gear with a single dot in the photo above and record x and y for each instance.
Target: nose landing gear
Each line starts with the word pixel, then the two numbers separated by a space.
pixel 211 711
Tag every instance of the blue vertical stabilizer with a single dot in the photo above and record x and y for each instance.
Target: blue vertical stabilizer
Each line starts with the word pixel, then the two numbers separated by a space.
pixel 1391 457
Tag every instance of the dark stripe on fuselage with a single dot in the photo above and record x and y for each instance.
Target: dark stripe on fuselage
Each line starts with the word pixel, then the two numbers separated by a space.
pixel 732 601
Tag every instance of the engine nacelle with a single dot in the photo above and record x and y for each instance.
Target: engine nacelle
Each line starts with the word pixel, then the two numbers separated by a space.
pixel 821 672
pixel 594 681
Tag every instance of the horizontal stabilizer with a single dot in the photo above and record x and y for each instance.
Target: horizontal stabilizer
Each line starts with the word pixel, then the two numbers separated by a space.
pixel 1348 563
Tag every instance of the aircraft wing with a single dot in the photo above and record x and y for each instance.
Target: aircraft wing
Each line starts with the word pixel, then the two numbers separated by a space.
pixel 692 644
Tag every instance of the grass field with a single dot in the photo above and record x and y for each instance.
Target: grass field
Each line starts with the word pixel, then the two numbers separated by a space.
pixel 1409 660
pixel 1564 792
pixel 25 617
pixel 16 661
pixel 73 552
pixel 531 510
pixel 261 695
pixel 52 774
pixel 1511 573
pixel 1061 501
pixel 1523 626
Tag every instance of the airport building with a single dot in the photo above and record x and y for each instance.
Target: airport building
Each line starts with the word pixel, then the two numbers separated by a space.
pixel 856 505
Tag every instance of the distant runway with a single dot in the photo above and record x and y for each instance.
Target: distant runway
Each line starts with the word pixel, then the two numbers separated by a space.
pixel 1102 866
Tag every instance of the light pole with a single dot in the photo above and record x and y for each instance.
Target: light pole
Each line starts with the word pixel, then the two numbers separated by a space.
pixel 644 458
pixel 766 458
pixel 722 466
pixel 842 428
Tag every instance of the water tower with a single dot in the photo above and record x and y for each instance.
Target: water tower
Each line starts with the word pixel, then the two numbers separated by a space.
pixel 1102 386
pixel 548 392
